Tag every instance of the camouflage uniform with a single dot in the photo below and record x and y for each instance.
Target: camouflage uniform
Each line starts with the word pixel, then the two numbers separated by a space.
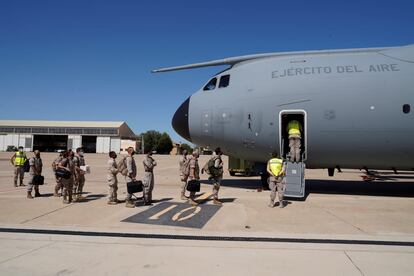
pixel 112 180
pixel 131 174
pixel 148 180
pixel 79 175
pixel 183 162
pixel 18 169
pixel 194 173
pixel 38 165
pixel 277 186
pixel 67 183
pixel 294 145
pixel 58 185
pixel 218 164
pixel 18 173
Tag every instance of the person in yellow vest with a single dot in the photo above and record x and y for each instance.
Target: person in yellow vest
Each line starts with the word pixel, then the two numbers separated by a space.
pixel 294 129
pixel 276 169
pixel 18 159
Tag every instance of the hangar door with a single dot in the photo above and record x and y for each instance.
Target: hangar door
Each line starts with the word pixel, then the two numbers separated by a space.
pixel 103 144
pixel 89 144
pixel 50 143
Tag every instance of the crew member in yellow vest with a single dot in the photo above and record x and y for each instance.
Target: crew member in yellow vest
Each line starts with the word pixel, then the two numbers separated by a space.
pixel 18 159
pixel 294 129
pixel 276 170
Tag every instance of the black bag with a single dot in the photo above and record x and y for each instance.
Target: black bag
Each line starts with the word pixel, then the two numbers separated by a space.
pixel 26 166
pixel 38 180
pixel 62 173
pixel 134 187
pixel 193 186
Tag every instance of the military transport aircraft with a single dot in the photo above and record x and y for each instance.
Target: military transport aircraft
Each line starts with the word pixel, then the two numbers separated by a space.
pixel 355 106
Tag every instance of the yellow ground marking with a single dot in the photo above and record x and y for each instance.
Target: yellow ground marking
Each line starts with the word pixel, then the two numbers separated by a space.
pixel 177 216
pixel 160 213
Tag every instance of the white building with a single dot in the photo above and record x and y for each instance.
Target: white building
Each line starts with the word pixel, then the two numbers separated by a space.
pixel 52 136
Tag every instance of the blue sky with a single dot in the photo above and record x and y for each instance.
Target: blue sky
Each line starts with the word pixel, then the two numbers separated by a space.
pixel 91 60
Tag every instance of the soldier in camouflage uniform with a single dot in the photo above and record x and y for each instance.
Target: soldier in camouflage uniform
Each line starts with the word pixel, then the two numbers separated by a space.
pixel 58 185
pixel 194 174
pixel 218 175
pixel 79 161
pixel 36 166
pixel 131 174
pixel 67 164
pixel 183 177
pixel 148 180
pixel 112 179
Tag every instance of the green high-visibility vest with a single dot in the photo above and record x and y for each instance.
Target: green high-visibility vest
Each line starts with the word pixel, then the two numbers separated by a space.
pixel 294 128
pixel 20 158
pixel 276 165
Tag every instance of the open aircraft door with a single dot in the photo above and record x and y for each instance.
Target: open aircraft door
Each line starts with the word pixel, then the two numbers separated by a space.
pixel 295 171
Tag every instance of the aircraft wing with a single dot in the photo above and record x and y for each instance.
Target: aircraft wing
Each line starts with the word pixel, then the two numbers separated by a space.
pixel 234 60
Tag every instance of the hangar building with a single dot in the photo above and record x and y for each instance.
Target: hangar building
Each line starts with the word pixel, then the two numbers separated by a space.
pixel 52 136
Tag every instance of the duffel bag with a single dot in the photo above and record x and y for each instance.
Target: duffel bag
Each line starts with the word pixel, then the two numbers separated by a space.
pixel 62 173
pixel 38 180
pixel 193 186
pixel 134 187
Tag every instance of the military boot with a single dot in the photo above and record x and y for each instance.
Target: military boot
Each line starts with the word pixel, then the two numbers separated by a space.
pixel 56 193
pixel 129 204
pixel 192 202
pixel 217 202
pixel 271 204
pixel 29 195
pixel 37 194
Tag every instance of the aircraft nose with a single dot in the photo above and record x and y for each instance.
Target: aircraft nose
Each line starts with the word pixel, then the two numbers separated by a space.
pixel 180 120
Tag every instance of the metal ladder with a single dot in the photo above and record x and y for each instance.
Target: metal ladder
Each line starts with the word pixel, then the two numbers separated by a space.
pixel 295 179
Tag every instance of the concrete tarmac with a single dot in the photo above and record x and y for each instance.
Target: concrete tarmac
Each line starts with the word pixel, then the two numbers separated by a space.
pixel 328 228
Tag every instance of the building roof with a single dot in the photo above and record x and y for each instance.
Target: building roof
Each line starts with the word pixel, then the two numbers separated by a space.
pixel 32 123
pixel 100 128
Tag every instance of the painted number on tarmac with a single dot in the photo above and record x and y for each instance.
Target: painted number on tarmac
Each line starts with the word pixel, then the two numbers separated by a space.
pixel 176 217
pixel 175 214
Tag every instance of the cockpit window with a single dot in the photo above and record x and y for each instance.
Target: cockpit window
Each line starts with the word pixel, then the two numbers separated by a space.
pixel 224 81
pixel 211 85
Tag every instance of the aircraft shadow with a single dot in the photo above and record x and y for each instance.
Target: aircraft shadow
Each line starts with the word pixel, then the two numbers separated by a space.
pixel 373 188
pixel 346 187
pixel 251 184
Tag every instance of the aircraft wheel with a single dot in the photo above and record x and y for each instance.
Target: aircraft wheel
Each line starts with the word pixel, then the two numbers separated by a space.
pixel 247 172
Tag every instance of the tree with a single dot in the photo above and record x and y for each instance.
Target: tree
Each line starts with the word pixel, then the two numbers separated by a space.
pixel 165 144
pixel 154 140
pixel 187 147
pixel 151 139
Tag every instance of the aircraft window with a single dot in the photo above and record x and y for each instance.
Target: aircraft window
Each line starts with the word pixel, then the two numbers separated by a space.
pixel 211 85
pixel 406 108
pixel 224 81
